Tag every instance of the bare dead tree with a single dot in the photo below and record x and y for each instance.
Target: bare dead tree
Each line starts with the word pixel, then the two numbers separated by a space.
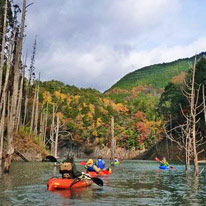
pixel 36 115
pixel 45 124
pixel 13 108
pixel 193 111
pixel 186 134
pixel 56 137
pixel 3 44
pixel 19 103
pixel 33 111
pixel 113 141
pixel 2 128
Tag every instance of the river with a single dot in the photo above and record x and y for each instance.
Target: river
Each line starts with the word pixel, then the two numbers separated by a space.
pixel 132 183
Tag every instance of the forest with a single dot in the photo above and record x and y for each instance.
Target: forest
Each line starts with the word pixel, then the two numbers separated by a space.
pixel 145 109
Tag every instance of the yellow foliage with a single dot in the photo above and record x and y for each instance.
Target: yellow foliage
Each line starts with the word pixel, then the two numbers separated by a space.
pixel 84 104
pixel 76 98
pixel 57 94
pixel 69 101
pixel 60 115
pixel 63 96
pixel 159 122
pixel 103 111
pixel 47 97
pixel 94 133
pixel 90 115
pixel 60 95
pixel 79 108
pixel 92 108
pixel 99 122
pixel 79 117
pixel 119 107
pixel 106 101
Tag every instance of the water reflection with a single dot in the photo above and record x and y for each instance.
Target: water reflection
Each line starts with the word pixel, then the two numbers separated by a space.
pixel 132 183
pixel 76 193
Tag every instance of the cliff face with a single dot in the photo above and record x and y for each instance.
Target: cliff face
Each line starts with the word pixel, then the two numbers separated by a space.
pixel 169 150
pixel 67 147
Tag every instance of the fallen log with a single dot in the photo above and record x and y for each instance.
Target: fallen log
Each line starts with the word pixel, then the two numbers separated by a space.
pixel 21 155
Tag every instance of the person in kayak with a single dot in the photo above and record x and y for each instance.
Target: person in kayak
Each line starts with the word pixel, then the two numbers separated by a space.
pixel 91 167
pixel 68 168
pixel 116 160
pixel 100 163
pixel 164 162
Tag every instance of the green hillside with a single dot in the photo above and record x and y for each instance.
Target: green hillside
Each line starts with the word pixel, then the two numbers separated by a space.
pixel 157 75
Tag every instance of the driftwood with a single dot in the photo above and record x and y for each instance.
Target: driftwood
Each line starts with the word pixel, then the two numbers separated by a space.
pixel 21 155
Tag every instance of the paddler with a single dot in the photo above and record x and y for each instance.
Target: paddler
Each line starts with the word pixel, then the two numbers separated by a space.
pixel 68 168
pixel 91 167
pixel 100 163
pixel 164 162
pixel 116 160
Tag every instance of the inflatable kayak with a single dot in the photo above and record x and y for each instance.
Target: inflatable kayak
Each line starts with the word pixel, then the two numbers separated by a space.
pixel 162 167
pixel 102 173
pixel 63 183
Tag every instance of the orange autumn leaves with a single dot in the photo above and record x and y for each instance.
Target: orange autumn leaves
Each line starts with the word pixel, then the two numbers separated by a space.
pixel 147 128
pixel 88 116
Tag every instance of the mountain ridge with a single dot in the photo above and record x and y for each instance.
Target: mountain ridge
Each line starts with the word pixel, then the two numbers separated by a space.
pixel 147 75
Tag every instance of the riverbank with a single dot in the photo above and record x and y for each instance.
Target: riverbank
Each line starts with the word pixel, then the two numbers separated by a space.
pixel 28 147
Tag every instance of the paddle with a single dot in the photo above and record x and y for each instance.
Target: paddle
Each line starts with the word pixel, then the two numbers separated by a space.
pixel 96 180
pixel 158 160
pixel 83 163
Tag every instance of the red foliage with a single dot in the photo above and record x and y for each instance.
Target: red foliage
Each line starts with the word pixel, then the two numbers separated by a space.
pixel 144 131
pixel 139 115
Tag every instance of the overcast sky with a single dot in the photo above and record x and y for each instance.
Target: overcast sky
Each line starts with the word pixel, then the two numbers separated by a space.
pixel 93 43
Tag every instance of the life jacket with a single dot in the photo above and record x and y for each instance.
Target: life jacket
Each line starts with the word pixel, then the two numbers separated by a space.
pixel 164 163
pixel 66 169
pixel 100 164
pixel 90 168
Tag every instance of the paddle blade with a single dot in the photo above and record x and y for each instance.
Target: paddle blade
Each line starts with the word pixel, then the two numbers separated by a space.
pixel 106 172
pixel 97 181
pixel 83 163
pixel 157 159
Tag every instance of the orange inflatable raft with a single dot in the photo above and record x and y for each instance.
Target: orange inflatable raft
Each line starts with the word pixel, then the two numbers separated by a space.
pixel 102 173
pixel 63 183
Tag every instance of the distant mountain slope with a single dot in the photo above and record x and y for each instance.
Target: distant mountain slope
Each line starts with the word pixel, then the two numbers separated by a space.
pixel 157 75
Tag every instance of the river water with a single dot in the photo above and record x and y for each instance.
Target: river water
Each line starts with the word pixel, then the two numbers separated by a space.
pixel 132 183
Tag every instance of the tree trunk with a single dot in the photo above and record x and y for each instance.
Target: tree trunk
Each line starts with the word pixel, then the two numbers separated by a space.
pixel 113 142
pixel 8 67
pixel 52 131
pixel 45 125
pixel 193 114
pixel 41 126
pixel 56 138
pixel 19 103
pixel 33 111
pixel 3 44
pixel 36 112
pixel 2 126
pixel 12 116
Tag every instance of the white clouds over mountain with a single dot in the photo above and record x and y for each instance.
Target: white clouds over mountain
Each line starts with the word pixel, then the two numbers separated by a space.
pixel 93 43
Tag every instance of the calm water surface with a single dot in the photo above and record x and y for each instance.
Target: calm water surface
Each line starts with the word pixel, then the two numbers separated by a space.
pixel 132 183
